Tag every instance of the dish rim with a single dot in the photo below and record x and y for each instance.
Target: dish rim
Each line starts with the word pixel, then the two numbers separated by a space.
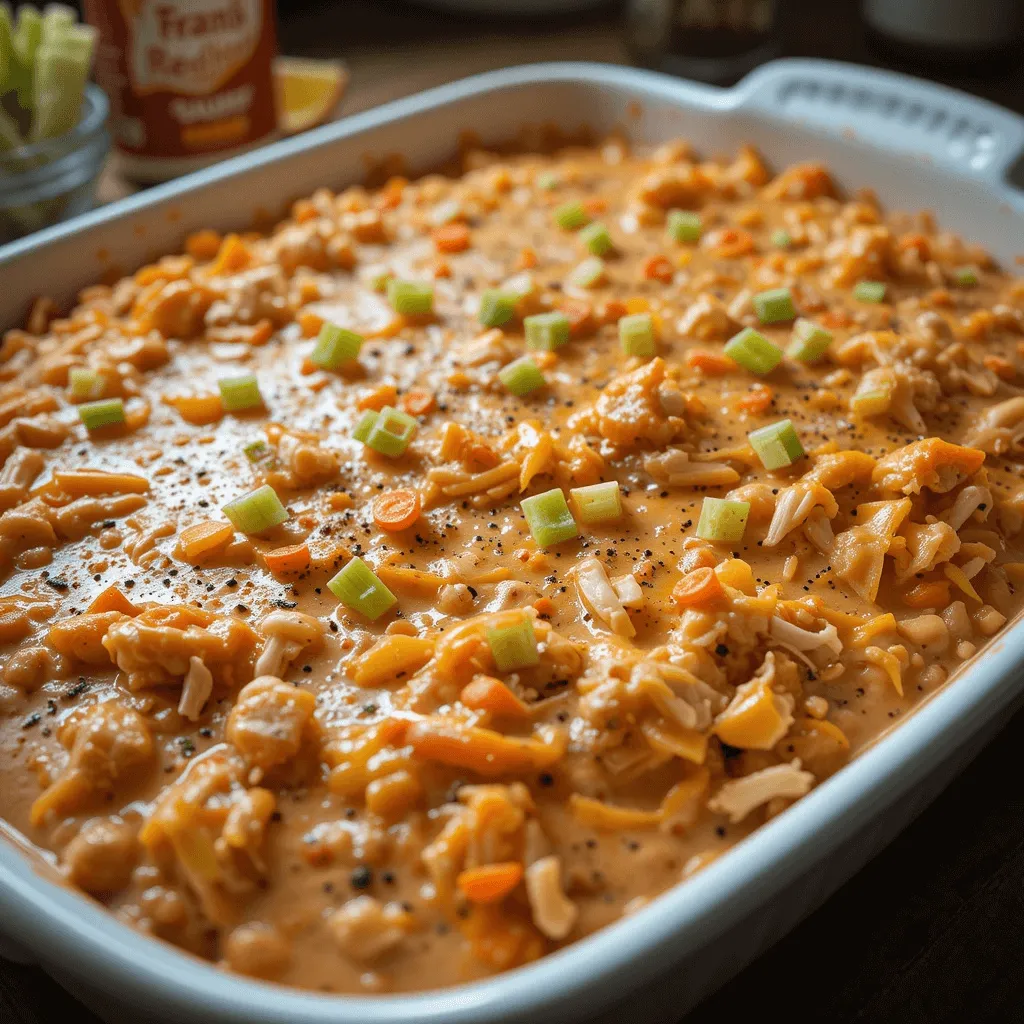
pixel 91 943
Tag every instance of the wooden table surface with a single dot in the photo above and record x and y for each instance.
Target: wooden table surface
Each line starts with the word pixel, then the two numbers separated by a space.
pixel 931 931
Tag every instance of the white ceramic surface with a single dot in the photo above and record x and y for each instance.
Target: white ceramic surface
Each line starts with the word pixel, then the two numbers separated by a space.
pixel 918 146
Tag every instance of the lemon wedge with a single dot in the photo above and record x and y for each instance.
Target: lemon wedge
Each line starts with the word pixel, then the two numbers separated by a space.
pixel 308 91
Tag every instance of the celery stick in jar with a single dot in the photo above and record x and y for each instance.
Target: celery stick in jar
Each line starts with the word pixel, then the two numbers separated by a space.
pixel 62 69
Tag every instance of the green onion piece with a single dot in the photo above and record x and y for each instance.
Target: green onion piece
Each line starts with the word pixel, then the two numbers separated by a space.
pixel 598 503
pixel 636 335
pixel 361 431
pixel 522 377
pixel 809 341
pixel 108 413
pixel 335 346
pixel 256 512
pixel 597 239
pixel 723 520
pixel 965 277
pixel 774 306
pixel 514 647
pixel 547 330
pixel 684 225
pixel 549 518
pixel 84 385
pixel 391 432
pixel 781 239
pixel 869 291
pixel 411 298
pixel 589 273
pixel 496 307
pixel 753 351
pixel 870 399
pixel 358 588
pixel 571 216
pixel 548 181
pixel 776 445
pixel 240 393
pixel 257 451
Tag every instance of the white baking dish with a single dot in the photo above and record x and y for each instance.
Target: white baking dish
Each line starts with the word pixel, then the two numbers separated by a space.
pixel 918 146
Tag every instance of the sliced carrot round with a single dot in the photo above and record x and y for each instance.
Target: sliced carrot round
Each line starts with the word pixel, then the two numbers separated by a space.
pixel 418 402
pixel 396 510
pixel 698 589
pixel 292 559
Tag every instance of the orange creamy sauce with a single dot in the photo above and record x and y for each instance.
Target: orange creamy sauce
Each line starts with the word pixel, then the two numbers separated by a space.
pixel 384 809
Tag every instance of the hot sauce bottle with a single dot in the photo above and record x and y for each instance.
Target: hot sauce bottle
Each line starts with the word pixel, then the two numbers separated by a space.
pixel 190 81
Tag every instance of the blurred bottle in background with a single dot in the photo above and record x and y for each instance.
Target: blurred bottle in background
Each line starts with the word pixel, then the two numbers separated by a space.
pixel 946 35
pixel 189 81
pixel 715 41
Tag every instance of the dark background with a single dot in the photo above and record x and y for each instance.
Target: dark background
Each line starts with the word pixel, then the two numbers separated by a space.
pixel 932 930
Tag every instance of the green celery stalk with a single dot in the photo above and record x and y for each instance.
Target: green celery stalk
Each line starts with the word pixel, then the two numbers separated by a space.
pixel 6 47
pixel 27 37
pixel 62 70
pixel 57 19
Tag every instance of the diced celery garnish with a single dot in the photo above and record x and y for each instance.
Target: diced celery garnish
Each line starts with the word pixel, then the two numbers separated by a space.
pixel 571 216
pixel 496 307
pixel 84 385
pixel 589 274
pixel 776 445
pixel 753 351
pixel 598 503
pixel 722 520
pixel 107 413
pixel 965 277
pixel 237 394
pixel 547 331
pixel 361 431
pixel 636 335
pixel 597 239
pixel 256 512
pixel 684 225
pixel 774 306
pixel 871 400
pixel 869 291
pixel 335 346
pixel 358 588
pixel 549 518
pixel 522 376
pixel 809 341
pixel 411 298
pixel 781 239
pixel 391 432
pixel 514 647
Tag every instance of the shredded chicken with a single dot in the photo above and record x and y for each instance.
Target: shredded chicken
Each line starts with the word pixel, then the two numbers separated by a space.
pixel 553 912
pixel 675 468
pixel 288 634
pixel 599 596
pixel 738 797
pixel 195 690
pixel 794 506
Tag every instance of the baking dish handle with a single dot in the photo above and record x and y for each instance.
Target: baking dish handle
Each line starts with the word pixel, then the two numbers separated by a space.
pixel 903 114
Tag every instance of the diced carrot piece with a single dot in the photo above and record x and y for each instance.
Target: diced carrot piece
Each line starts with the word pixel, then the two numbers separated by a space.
pixel 488 694
pixel 418 402
pixel 697 558
pixel 595 205
pixel 483 751
pixel 289 560
pixel 526 260
pixel 198 410
pixel 310 323
pixel 713 364
pixel 659 268
pixel 203 245
pixel 378 397
pixel 490 883
pixel 396 510
pixel 234 255
pixel 919 243
pixel 441 268
pixel 391 195
pixel 452 238
pixel 261 333
pixel 638 304
pixel 205 538
pixel 112 600
pixel 580 314
pixel 698 589
pixel 612 311
pixel 758 401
